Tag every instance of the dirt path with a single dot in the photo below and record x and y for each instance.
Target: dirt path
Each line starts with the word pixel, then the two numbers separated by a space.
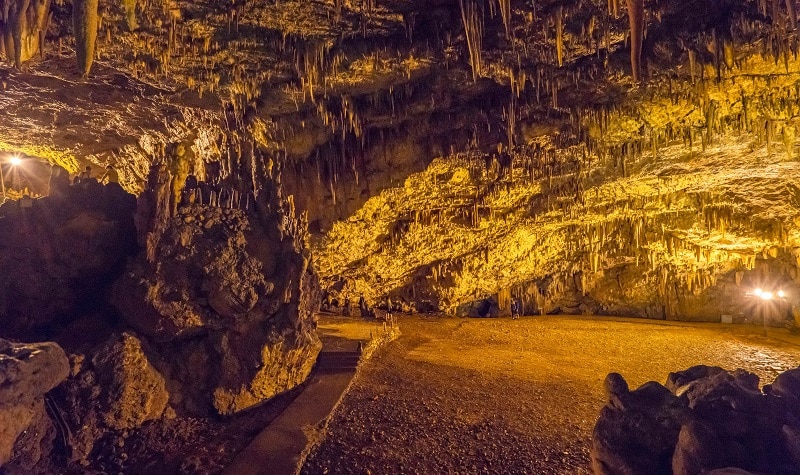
pixel 515 396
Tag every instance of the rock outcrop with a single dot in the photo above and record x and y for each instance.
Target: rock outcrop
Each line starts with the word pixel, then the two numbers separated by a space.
pixel 193 307
pixel 226 293
pixel 706 420
pixel 27 372
pixel 116 390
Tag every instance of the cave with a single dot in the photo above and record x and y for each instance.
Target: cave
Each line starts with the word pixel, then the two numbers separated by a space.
pixel 399 236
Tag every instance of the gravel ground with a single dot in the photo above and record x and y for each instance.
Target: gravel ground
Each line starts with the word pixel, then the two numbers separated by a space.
pixel 515 396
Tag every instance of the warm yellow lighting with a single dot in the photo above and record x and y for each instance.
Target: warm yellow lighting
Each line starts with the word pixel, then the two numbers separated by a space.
pixel 14 160
pixel 758 292
pixel 765 295
pixel 781 294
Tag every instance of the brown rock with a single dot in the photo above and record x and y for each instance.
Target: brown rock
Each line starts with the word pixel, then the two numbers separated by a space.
pixel 698 450
pixel 639 437
pixel 27 372
pixel 133 391
pixel 236 335
pixel 678 381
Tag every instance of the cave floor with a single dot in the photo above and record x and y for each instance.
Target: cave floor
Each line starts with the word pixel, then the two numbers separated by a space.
pixel 516 396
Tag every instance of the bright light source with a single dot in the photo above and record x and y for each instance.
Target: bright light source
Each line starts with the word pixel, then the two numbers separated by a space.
pixel 766 295
pixel 14 160
pixel 758 292
pixel 781 294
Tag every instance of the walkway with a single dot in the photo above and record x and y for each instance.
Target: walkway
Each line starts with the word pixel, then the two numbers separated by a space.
pixel 283 446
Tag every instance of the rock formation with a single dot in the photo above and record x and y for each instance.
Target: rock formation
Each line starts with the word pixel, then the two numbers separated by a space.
pixel 211 314
pixel 449 155
pixel 27 373
pixel 229 292
pixel 706 420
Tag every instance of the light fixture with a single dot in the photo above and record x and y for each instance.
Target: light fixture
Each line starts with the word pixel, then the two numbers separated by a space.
pixel 14 160
pixel 765 295
pixel 758 292
pixel 781 294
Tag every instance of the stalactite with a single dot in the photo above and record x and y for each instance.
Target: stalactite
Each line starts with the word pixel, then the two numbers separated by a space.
pixel 560 35
pixel 636 20
pixel 505 14
pixel 130 14
pixel 19 23
pixel 472 19
pixel 791 11
pixel 85 24
pixel 22 25
pixel 613 8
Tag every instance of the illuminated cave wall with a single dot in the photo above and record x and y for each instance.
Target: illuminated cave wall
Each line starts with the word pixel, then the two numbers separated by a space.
pixel 666 197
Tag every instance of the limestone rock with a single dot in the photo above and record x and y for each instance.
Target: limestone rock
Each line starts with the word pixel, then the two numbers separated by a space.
pixel 228 296
pixel 678 382
pixel 285 362
pixel 133 390
pixel 698 450
pixel 35 443
pixel 637 430
pixel 27 372
pixel 727 425
pixel 787 385
pixel 203 279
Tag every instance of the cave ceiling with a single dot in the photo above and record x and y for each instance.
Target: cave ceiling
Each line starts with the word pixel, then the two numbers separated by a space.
pixel 679 161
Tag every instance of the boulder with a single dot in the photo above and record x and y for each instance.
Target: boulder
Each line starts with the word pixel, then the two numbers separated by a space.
pixel 679 381
pixel 787 385
pixel 727 425
pixel 698 450
pixel 27 372
pixel 637 430
pixel 231 293
pixel 133 390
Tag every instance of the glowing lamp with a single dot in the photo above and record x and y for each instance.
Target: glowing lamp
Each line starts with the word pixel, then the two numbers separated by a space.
pixel 758 292
pixel 781 294
pixel 766 295
pixel 14 160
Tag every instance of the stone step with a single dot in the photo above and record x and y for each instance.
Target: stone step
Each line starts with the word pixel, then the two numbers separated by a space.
pixel 338 360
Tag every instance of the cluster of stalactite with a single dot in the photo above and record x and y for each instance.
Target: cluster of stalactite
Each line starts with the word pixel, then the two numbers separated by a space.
pixel 23 24
pixel 656 232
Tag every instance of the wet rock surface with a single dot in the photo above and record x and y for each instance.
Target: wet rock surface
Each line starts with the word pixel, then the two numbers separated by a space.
pixel 718 420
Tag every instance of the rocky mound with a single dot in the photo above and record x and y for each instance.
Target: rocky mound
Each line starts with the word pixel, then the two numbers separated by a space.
pixel 704 420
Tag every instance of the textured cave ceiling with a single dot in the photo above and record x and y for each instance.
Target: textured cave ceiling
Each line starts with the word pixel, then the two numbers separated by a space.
pixel 377 112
